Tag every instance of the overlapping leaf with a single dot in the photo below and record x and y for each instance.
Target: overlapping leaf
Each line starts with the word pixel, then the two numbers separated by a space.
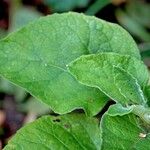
pixel 119 76
pixel 36 56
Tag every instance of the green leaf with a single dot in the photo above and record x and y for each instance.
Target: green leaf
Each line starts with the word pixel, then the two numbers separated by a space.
pixel 118 76
pixel 36 56
pixel 143 143
pixel 69 132
pixel 119 110
pixel 123 133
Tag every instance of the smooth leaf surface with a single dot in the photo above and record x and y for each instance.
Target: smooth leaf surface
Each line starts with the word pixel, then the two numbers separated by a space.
pixel 118 76
pixel 36 56
pixel 70 132
pixel 123 133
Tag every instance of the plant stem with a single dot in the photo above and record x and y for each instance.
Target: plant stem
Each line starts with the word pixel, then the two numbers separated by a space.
pixel 142 112
pixel 97 6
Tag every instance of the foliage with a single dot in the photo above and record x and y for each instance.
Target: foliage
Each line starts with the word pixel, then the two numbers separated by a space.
pixel 65 5
pixel 65 132
pixel 136 19
pixel 71 61
pixel 97 6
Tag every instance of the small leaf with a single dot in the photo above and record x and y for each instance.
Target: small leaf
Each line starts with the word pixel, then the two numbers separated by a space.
pixel 118 76
pixel 70 132
pixel 119 110
pixel 35 57
pixel 123 133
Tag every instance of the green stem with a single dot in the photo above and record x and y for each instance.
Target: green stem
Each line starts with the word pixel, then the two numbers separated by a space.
pixel 142 112
pixel 97 6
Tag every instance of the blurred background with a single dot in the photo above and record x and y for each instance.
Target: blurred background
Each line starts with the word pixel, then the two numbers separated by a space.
pixel 17 107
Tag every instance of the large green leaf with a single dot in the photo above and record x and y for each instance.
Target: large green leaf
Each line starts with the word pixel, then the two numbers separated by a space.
pixel 118 76
pixel 70 132
pixel 36 56
pixel 123 133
